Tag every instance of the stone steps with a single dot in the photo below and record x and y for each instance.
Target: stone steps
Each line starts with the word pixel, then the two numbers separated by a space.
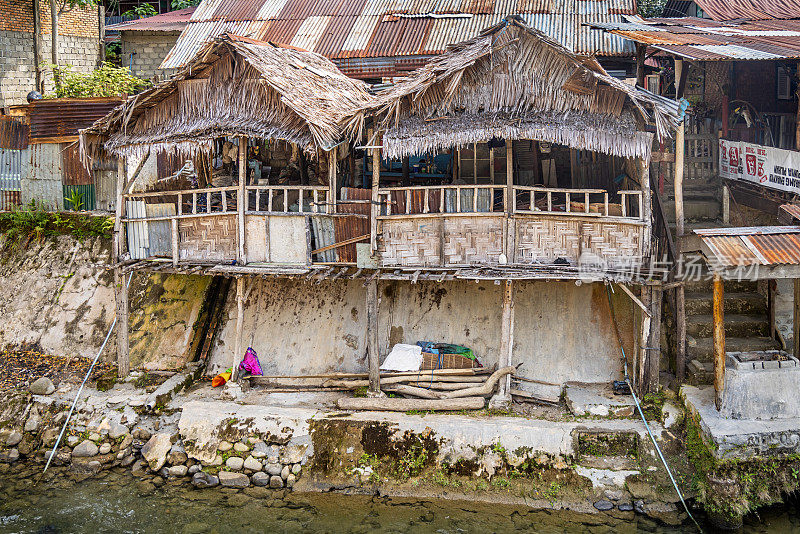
pixel 736 326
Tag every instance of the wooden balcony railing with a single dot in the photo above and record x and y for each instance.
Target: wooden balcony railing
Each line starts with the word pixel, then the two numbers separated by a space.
pixel 444 199
pixel 288 199
pixel 576 202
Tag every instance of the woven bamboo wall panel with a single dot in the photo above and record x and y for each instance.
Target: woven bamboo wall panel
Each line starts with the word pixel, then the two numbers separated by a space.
pixel 545 239
pixel 410 242
pixel 471 240
pixel 208 238
pixel 440 241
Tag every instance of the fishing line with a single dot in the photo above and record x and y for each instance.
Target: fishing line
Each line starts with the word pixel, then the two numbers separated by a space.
pixel 80 390
pixel 641 414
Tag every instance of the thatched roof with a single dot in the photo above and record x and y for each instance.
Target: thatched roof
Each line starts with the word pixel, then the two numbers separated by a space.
pixel 236 86
pixel 515 82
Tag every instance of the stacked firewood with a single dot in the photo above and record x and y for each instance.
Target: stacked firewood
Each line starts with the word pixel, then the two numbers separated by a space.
pixel 440 389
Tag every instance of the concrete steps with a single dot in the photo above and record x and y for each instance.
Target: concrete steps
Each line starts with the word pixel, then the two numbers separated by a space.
pixel 702 349
pixel 741 303
pixel 736 326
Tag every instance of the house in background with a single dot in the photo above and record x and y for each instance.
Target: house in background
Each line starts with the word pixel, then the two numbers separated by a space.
pixel 379 41
pixel 146 42
pixel 20 69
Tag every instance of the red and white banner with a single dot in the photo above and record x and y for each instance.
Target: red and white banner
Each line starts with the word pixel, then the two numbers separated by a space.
pixel 771 167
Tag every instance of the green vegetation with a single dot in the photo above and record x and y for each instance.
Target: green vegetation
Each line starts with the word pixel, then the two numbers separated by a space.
pixel 141 11
pixel 34 223
pixel 108 80
pixel 731 488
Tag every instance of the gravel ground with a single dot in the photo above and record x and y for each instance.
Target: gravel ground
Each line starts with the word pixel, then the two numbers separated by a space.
pixel 18 368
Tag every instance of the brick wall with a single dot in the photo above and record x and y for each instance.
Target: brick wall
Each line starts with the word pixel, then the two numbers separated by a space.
pixel 17 15
pixel 149 50
pixel 79 46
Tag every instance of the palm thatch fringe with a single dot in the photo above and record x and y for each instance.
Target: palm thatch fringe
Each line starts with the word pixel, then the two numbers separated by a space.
pixel 511 73
pixel 237 86
pixel 581 130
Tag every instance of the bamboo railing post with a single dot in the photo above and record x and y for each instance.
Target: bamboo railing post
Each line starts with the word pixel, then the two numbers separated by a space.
pixel 373 353
pixel 719 340
pixel 332 181
pixel 238 346
pixel 120 289
pixel 375 211
pixel 241 198
pixel 645 207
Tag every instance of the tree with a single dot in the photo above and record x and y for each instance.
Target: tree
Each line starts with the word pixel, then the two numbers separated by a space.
pixel 58 8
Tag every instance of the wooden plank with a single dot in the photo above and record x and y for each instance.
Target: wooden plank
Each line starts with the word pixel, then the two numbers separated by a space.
pixel 342 243
pixel 175 253
pixel 719 340
pixel 507 339
pixel 653 367
pixel 241 199
pixel 375 211
pixel 405 405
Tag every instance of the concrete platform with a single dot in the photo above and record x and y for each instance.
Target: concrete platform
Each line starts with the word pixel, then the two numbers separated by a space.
pixel 597 399
pixel 740 438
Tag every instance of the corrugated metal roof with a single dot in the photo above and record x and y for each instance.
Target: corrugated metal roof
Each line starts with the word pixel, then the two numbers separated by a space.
pixel 60 117
pixel 750 9
pixel 372 29
pixel 759 245
pixel 706 40
pixel 165 22
pixel 14 132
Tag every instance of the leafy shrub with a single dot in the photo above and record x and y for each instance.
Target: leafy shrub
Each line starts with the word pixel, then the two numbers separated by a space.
pixel 108 80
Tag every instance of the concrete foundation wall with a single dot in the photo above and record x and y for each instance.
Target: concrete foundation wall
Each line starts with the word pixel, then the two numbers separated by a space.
pixel 58 294
pixel 563 332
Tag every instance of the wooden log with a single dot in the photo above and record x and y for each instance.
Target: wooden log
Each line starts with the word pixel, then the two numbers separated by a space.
pixel 375 207
pixel 487 388
pixel 405 405
pixel 719 341
pixel 332 180
pixel 644 339
pixel 372 337
pixel 421 380
pixel 414 391
pixel 680 298
pixel 412 374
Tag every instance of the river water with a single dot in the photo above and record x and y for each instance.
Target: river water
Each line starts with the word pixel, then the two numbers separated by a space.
pixel 119 504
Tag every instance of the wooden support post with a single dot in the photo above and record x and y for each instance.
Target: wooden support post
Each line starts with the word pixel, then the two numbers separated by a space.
pixel 726 204
pixel 376 209
pixel 653 367
pixel 238 347
pixel 508 245
pixel 719 340
pixel 332 180
pixel 680 297
pixel 503 397
pixel 641 50
pixel 644 339
pixel 120 289
pixel 647 208
pixel 373 350
pixel 241 196
pixel 796 321
pixel 175 238
pixel 406 170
